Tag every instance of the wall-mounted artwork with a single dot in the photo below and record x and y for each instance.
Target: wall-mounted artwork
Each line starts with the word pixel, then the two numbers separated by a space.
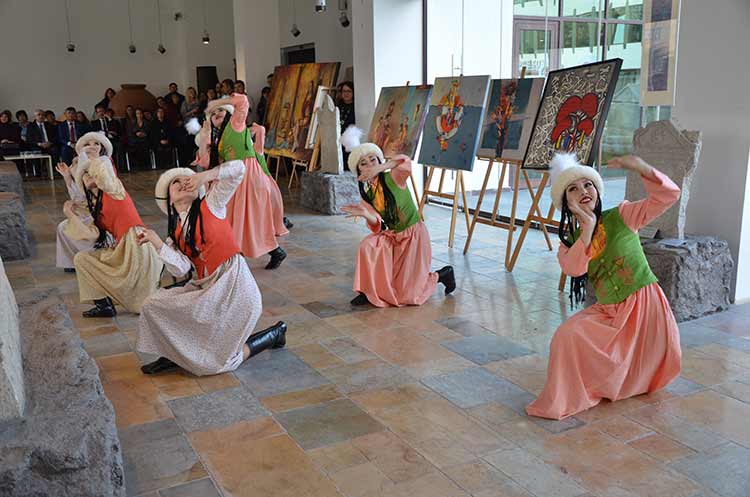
pixel 399 118
pixel 572 113
pixel 510 113
pixel 454 120
pixel 659 51
pixel 290 107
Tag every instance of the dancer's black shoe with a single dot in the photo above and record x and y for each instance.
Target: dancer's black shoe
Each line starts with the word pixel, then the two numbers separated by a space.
pixel 287 223
pixel 160 365
pixel 447 278
pixel 277 257
pixel 70 270
pixel 270 338
pixel 360 299
pixel 103 308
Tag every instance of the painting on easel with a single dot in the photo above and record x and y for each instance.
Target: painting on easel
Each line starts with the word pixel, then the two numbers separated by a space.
pixel 291 104
pixel 572 113
pixel 454 120
pixel 511 108
pixel 399 118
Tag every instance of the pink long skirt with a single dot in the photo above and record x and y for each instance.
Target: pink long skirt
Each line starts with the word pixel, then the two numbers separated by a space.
pixel 256 212
pixel 610 352
pixel 393 269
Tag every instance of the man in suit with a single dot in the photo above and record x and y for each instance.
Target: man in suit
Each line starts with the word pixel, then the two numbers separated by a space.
pixel 160 136
pixel 109 127
pixel 68 133
pixel 42 135
pixel 173 90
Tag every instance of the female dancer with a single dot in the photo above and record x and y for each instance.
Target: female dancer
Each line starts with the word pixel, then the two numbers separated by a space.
pixel 627 343
pixel 119 271
pixel 204 326
pixel 393 263
pixel 256 210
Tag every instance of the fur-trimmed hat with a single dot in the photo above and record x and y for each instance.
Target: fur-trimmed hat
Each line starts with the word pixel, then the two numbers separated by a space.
pixel 216 104
pixel 101 167
pixel 162 186
pixel 97 136
pixel 360 151
pixel 565 169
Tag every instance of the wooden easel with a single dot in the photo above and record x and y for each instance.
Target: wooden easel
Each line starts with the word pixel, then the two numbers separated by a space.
pixel 458 184
pixel 309 165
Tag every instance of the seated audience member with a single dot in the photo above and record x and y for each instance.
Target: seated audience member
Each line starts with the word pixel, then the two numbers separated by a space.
pixel 104 102
pixel 173 91
pixel 42 135
pixel 172 111
pixel 160 138
pixel 217 89
pixel 138 141
pixel 50 117
pixel 68 133
pixel 23 122
pixel 110 128
pixel 83 121
pixel 10 134
pixel 148 115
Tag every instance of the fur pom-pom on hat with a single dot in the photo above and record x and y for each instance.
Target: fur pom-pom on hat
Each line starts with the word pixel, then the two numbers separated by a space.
pixel 193 126
pixel 351 138
pixel 563 170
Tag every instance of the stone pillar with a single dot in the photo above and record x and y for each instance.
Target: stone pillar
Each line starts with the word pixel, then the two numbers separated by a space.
pixel 12 392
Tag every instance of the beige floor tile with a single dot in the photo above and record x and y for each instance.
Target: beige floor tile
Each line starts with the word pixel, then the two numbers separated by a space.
pixel 661 448
pixel 622 428
pixel 136 401
pixel 302 398
pixel 335 458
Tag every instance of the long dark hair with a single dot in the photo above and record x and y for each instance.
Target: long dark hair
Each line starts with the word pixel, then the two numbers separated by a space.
pixel 95 208
pixel 216 134
pixel 391 214
pixel 195 218
pixel 568 233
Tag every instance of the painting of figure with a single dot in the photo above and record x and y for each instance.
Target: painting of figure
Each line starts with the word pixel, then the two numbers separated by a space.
pixel 399 118
pixel 290 107
pixel 572 114
pixel 511 109
pixel 454 121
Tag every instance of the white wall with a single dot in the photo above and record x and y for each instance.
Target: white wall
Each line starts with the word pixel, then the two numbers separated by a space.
pixel 45 75
pixel 712 98
pixel 333 42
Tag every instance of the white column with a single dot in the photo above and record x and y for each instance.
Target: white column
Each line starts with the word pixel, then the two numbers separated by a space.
pixel 712 83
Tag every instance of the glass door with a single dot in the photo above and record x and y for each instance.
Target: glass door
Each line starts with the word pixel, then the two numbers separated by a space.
pixel 535 47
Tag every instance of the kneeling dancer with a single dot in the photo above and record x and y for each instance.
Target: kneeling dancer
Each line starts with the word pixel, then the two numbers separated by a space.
pixel 205 325
pixel 393 263
pixel 119 271
pixel 627 343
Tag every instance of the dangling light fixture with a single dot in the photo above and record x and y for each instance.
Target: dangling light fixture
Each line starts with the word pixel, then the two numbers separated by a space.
pixel 160 48
pixel 70 47
pixel 206 39
pixel 343 17
pixel 131 47
pixel 295 30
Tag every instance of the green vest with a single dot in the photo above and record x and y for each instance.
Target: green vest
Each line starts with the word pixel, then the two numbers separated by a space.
pixel 621 269
pixel 408 214
pixel 239 146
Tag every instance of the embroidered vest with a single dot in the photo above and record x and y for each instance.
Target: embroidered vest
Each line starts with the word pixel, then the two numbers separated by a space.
pixel 118 216
pixel 235 145
pixel 218 247
pixel 621 268
pixel 408 214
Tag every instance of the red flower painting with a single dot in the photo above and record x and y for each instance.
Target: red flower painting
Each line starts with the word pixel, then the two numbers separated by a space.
pixel 574 121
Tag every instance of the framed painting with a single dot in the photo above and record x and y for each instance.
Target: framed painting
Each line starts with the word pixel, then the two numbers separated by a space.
pixel 571 116
pixel 510 113
pixel 454 121
pixel 399 119
pixel 290 107
pixel 659 51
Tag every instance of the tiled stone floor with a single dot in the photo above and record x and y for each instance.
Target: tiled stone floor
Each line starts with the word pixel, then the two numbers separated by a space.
pixel 413 402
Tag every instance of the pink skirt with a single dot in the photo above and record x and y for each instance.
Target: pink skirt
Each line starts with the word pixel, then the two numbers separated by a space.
pixel 256 212
pixel 393 269
pixel 610 352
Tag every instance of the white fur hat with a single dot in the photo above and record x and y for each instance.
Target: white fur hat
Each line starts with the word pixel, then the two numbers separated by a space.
pixel 360 151
pixel 563 170
pixel 103 166
pixel 162 185
pixel 216 104
pixel 96 136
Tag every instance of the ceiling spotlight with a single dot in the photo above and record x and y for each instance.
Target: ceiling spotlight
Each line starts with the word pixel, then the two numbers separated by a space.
pixel 161 49
pixel 206 40
pixel 344 19
pixel 320 5
pixel 131 48
pixel 71 47
pixel 295 31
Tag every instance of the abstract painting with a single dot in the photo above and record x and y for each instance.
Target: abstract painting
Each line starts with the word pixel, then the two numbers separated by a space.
pixel 572 113
pixel 399 118
pixel 291 104
pixel 454 120
pixel 659 51
pixel 510 113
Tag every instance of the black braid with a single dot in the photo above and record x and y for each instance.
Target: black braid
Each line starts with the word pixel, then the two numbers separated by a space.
pixel 391 214
pixel 215 137
pixel 95 208
pixel 194 217
pixel 568 234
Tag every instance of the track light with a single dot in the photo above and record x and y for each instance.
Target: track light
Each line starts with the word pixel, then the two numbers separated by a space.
pixel 295 31
pixel 131 48
pixel 161 49
pixel 344 19
pixel 320 5
pixel 71 47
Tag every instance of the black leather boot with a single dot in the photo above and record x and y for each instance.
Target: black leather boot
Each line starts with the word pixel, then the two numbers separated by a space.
pixel 158 366
pixel 103 308
pixel 70 270
pixel 447 278
pixel 277 257
pixel 287 223
pixel 360 299
pixel 270 338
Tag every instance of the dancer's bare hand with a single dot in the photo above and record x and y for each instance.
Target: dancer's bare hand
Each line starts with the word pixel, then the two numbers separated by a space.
pixel 149 236
pixel 630 163
pixel 63 169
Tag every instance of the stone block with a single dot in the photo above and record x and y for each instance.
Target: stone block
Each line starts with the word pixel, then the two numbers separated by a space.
pixel 675 153
pixel 327 193
pixel 14 239
pixel 12 392
pixel 10 178
pixel 67 442
pixel 331 158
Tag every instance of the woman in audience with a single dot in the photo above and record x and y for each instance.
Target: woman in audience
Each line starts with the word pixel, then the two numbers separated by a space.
pixel 10 134
pixel 138 141
pixel 118 270
pixel 256 210
pixel 23 122
pixel 83 121
pixel 191 106
pixel 345 103
pixel 104 102
pixel 393 263
pixel 627 343
pixel 199 238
